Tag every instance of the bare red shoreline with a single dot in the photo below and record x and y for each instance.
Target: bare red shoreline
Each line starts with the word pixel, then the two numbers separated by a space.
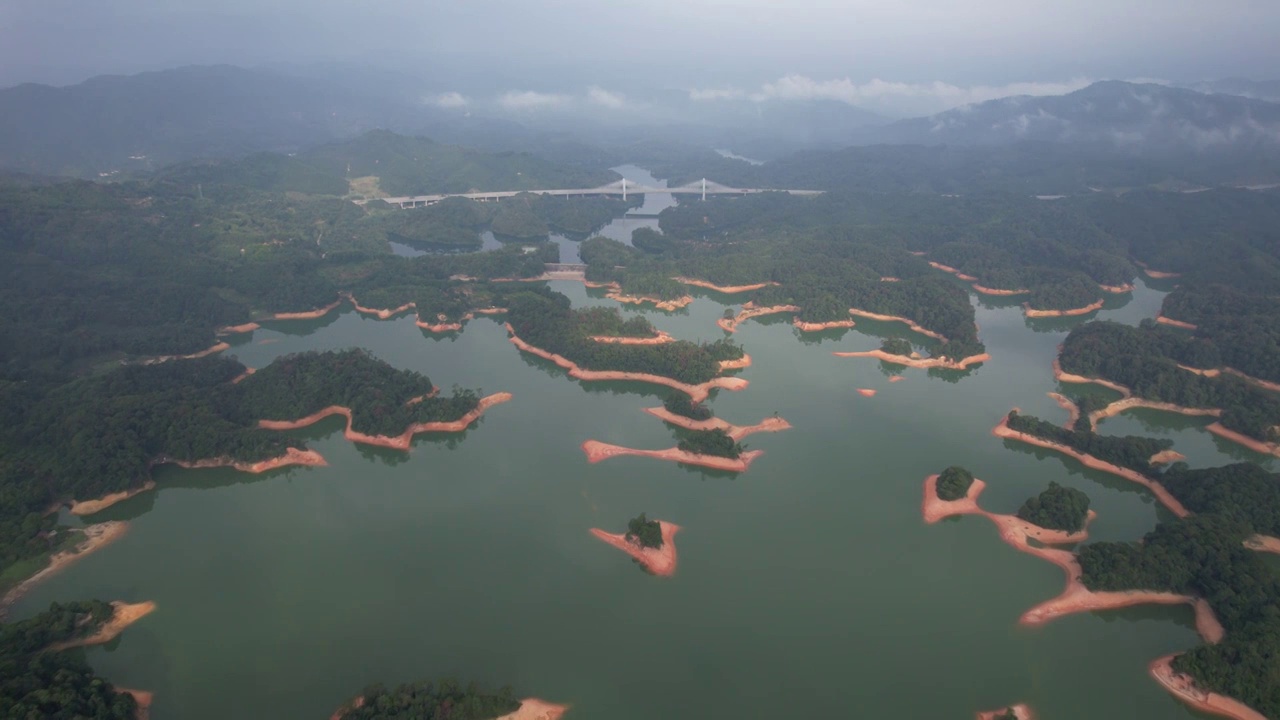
pixel 308 314
pixel 400 442
pixel 1215 372
pixel 982 290
pixel 917 362
pixel 597 451
pixel 668 305
pixel 1064 402
pixel 89 507
pixel 96 537
pixel 737 432
pixel 697 392
pixel 803 326
pixel 1185 689
pixel 659 561
pixel 749 311
pixel 1002 430
pixel 661 338
pixel 530 709
pixel 953 271
pixel 897 318
pixel 1175 323
pixel 1117 289
pixel 1020 711
pixel 1156 274
pixel 1130 403
pixel 124 615
pixel 726 289
pixel 1073 312
pixel 1066 377
pixel 381 314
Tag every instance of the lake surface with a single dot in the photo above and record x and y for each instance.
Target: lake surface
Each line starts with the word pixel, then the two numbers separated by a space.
pixel 807 587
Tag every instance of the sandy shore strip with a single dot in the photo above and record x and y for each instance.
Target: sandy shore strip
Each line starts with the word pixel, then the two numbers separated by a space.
pixel 238 329
pixel 96 537
pixel 1020 711
pixel 917 362
pixel 240 378
pixel 597 451
pixel 697 393
pixel 662 338
pixel 866 392
pixel 803 326
pixel 1156 274
pixel 897 318
pixel 89 507
pixel 739 364
pixel 749 311
pixel 726 289
pixel 982 290
pixel 143 698
pixel 292 456
pixel 381 314
pixel 1175 323
pixel 1066 377
pixel 658 561
pixel 737 432
pixel 125 615
pixel 1013 529
pixel 530 709
pixel 1184 688
pixel 308 314
pixel 1116 289
pixel 1002 430
pixel 1215 372
pixel 953 271
pixel 1164 457
pixel 215 348
pixel 402 441
pixel 1263 543
pixel 1266 448
pixel 1066 403
pixel 1130 403
pixel 667 305
pixel 1073 312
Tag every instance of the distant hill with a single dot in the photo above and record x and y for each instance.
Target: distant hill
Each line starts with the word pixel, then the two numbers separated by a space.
pixel 1141 119
pixel 1268 90
pixel 383 162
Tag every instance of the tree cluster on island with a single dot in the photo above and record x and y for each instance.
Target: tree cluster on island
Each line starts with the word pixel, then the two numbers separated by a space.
pixel 608 322
pixel 1057 508
pixel 715 442
pixel 544 319
pixel 36 683
pixel 953 483
pixel 644 532
pixel 682 405
pixel 897 346
pixel 445 699
pixel 1131 451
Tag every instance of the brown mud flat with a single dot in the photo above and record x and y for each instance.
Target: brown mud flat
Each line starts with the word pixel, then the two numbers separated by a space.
pixel 726 289
pixel 737 432
pixel 1263 543
pixel 898 318
pixel 125 615
pixel 1157 274
pixel 402 441
pixel 1066 403
pixel 667 305
pixel 597 451
pixel 1184 688
pixel 738 364
pixel 925 363
pixel 953 271
pixel 1020 711
pixel 1130 403
pixel 1215 372
pixel 749 311
pixel 982 290
pixel 1175 323
pixel 240 378
pixel 380 313
pixel 661 338
pixel 96 537
pixel 697 393
pixel 89 507
pixel 866 392
pixel 530 709
pixel 1164 457
pixel 1066 377
pixel 308 314
pixel 1117 289
pixel 1073 312
pixel 238 329
pixel 803 326
pixel 658 561
pixel 1002 430
pixel 1267 448
pixel 292 456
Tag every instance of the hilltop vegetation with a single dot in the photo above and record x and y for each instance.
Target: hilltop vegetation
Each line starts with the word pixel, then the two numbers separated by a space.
pixel 953 483
pixel 1057 508
pixel 426 700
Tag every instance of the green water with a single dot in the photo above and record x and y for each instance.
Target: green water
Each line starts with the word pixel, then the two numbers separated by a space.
pixel 807 587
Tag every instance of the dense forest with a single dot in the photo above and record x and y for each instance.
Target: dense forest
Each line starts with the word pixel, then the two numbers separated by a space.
pixel 1146 359
pixel 1057 508
pixel 681 404
pixel 443 700
pixel 953 483
pixel 1203 556
pixel 39 684
pixel 1131 451
pixel 647 532
pixel 544 319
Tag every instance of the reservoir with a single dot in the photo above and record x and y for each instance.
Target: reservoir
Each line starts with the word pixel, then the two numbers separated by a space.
pixel 808 586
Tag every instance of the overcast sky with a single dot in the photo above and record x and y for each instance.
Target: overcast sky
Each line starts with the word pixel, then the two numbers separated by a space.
pixel 865 52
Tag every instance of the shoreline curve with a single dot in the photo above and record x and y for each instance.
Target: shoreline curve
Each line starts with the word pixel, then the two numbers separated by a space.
pixel 597 451
pixel 658 561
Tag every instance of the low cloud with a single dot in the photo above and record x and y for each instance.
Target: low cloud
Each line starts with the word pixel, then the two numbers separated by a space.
pixel 934 96
pixel 530 100
pixel 449 100
pixel 604 98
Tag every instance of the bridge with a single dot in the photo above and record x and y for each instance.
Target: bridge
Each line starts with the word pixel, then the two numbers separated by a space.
pixel 622 188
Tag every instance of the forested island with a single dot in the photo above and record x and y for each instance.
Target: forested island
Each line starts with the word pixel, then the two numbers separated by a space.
pixel 445 699
pixel 1057 508
pixel 953 483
